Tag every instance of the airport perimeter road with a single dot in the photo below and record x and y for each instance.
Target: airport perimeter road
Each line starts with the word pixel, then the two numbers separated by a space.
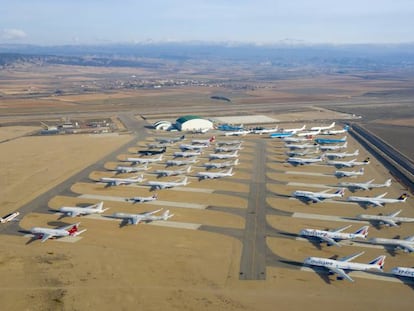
pixel 253 258
pixel 40 204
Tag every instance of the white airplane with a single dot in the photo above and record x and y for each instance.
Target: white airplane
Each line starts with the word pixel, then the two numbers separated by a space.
pixel 379 200
pixel 237 133
pixel 47 233
pixel 205 142
pixel 111 181
pixel 167 140
pixel 228 149
pixel 295 139
pixel 158 145
pixel 403 271
pixel 349 174
pixel 265 130
pixel 303 146
pixel 331 237
pixel 144 160
pixel 223 155
pixel 205 175
pixel 316 197
pixel 334 147
pixel 341 154
pixel 173 172
pixel 9 217
pixel 229 142
pixel 78 211
pixel 351 163
pixel 407 245
pixel 142 199
pixel 303 161
pixel 340 266
pixel 388 220
pixel 135 219
pixel 334 132
pixel 131 169
pixel 180 162
pixel 365 185
pixel 322 128
pixel 187 154
pixel 294 130
pixel 168 184
pixel 308 134
pixel 294 153
pixel 209 165
pixel 192 147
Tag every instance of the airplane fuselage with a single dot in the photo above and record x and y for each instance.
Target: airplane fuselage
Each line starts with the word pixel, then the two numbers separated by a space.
pixel 403 271
pixel 344 265
pixel 333 235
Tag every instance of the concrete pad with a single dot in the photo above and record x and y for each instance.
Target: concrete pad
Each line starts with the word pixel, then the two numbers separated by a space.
pixel 326 217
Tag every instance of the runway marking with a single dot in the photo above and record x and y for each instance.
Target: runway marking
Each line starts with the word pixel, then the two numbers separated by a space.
pixel 66 239
pixel 156 202
pixel 300 184
pixel 309 173
pixel 348 243
pixel 330 201
pixel 365 275
pixel 326 217
pixel 169 223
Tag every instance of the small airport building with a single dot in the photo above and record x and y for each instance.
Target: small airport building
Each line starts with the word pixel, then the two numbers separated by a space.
pixel 193 123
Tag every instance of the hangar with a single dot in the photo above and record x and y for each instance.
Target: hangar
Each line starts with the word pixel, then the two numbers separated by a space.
pixel 193 123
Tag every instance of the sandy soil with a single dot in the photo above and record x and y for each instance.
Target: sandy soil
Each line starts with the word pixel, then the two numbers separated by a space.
pixel 11 132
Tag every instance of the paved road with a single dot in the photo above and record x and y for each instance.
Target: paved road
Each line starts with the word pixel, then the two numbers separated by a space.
pixel 40 204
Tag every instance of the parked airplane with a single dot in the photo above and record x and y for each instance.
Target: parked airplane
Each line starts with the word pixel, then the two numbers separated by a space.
pixel 149 152
pixel 186 154
pixel 142 199
pixel 303 161
pixel 388 220
pixel 228 127
pixel 289 140
pixel 331 237
pixel 324 141
pixel 135 219
pixel 9 217
pixel 265 130
pixel 294 153
pixel 342 265
pixel 224 155
pixel 173 172
pixel 341 154
pixel 316 197
pixel 403 271
pixel 47 233
pixel 237 133
pixel 205 175
pixel 228 149
pixel 281 134
pixel 308 134
pixel 111 181
pixel 335 132
pixel 334 147
pixel 209 165
pixel 407 245
pixel 302 146
pixel 205 142
pixel 157 145
pixel 167 184
pixel 144 160
pixel 322 128
pixel 167 140
pixel 294 130
pixel 229 142
pixel 378 200
pixel 131 169
pixel 351 163
pixel 78 211
pixel 349 174
pixel 365 185
pixel 180 162
pixel 192 147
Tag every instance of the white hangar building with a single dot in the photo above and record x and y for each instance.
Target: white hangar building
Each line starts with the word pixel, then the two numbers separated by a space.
pixel 193 123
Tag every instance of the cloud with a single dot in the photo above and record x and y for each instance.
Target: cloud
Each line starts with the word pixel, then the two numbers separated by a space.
pixel 12 34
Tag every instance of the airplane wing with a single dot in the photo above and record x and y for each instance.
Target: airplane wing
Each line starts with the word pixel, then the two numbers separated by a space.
pixel 136 219
pixel 350 257
pixel 375 202
pixel 395 213
pixel 153 212
pixel 341 228
pixel 410 238
pixel 68 227
pixel 325 191
pixel 45 237
pixel 389 222
pixel 329 240
pixel 341 273
pixel 381 195
pixel 313 198
pixel 407 247
pixel 73 214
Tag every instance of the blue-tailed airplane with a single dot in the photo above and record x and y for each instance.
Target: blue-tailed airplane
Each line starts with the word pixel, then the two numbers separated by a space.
pixel 330 140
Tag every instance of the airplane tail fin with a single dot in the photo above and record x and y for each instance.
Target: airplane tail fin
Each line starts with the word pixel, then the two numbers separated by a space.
pixel 212 139
pixel 341 192
pixel 74 230
pixel 230 170
pixel 378 262
pixel 363 231
pixel 361 170
pixel 185 181
pixel 387 183
pixel 403 197
pixel 346 127
pixel 236 162
pixel 188 170
pixel 345 145
pixel 367 159
pixel 166 215
pixel 356 152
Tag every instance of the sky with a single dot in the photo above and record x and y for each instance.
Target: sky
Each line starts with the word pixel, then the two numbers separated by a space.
pixel 57 22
